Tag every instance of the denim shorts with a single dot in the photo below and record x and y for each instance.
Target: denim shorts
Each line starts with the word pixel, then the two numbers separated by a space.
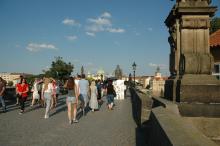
pixel 83 98
pixel 71 99
pixel 110 98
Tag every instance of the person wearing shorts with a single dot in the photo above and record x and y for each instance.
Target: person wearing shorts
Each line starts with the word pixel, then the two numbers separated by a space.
pixel 72 100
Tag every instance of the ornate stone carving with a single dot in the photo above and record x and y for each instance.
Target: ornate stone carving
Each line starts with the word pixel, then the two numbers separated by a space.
pixel 173 46
pixel 195 23
pixel 193 3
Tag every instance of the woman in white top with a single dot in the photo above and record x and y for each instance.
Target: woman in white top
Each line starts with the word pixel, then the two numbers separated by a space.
pixel 47 90
pixel 35 95
pixel 93 103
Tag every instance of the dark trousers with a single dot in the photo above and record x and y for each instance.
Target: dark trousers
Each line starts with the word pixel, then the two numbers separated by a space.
pixel 22 102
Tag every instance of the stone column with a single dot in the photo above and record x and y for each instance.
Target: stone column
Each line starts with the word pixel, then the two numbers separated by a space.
pixel 191 62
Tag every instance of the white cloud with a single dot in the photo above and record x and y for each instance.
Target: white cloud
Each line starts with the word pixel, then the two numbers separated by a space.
pixel 153 65
pixel 116 30
pixel 162 66
pixel 95 28
pixel 34 47
pixel 150 29
pixel 70 22
pixel 71 38
pixel 102 23
pixel 90 34
pixel 106 15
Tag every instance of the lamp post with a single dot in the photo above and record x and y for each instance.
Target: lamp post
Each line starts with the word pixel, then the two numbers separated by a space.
pixel 134 68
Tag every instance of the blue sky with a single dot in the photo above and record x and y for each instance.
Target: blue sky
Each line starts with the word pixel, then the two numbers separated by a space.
pixel 93 33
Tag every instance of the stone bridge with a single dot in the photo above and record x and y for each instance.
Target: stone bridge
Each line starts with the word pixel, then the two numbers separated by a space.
pixel 138 120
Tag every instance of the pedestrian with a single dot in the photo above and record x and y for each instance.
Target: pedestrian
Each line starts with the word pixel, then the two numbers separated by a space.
pixel 93 103
pixel 17 95
pixel 39 89
pixel 2 91
pixel 83 93
pixel 57 92
pixel 22 92
pixel 35 95
pixel 77 79
pixel 110 95
pixel 47 90
pixel 54 98
pixel 72 99
pixel 99 90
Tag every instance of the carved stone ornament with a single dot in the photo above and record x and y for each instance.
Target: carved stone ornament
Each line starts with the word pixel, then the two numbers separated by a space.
pixel 194 1
pixel 195 23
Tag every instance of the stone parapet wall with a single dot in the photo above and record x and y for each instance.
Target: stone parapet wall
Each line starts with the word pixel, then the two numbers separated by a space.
pixel 168 128
pixel 141 105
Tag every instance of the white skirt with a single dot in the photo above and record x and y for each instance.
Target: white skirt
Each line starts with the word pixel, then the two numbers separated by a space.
pixel 36 95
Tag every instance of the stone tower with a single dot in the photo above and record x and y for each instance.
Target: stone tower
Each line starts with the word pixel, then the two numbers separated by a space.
pixel 191 63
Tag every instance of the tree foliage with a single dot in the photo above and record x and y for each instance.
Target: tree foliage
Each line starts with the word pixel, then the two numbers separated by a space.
pixel 10 83
pixel 215 24
pixel 59 69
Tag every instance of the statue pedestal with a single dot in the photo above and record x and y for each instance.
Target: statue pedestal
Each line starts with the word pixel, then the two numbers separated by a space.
pixel 170 89
pixel 198 89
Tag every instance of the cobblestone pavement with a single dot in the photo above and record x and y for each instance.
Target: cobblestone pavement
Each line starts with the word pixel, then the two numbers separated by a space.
pixel 101 128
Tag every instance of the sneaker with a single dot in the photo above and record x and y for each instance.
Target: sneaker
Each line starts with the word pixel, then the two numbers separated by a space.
pixel 46 117
pixel 75 121
pixel 21 112
pixel 4 109
pixel 71 122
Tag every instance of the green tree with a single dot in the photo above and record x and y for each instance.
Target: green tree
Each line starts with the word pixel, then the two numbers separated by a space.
pixel 215 25
pixel 59 69
pixel 30 79
pixel 10 83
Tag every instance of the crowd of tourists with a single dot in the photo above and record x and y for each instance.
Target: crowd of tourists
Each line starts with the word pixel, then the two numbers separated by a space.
pixel 81 96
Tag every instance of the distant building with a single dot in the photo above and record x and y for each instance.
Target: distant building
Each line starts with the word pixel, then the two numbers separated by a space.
pixel 13 77
pixel 157 84
pixel 100 75
pixel 118 72
pixel 215 51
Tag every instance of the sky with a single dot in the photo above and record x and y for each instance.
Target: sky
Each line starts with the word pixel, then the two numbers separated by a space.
pixel 96 34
